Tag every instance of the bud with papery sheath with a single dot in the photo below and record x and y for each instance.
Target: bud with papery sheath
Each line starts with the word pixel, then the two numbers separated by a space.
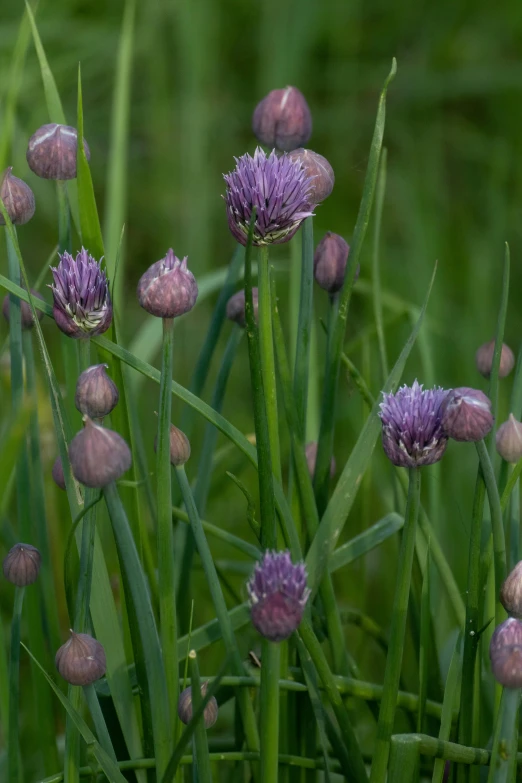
pixel 330 258
pixel 509 439
pixel 319 170
pixel 311 458
pixel 96 394
pixel 466 414
pixel 278 188
pixel 98 455
pixel 82 302
pixel 511 592
pixel 81 660
pixel 18 199
pixel 22 565
pixel 484 359
pixel 57 473
pixel 282 119
pixel 25 310
pixel 236 307
pixel 179 446
pixel 168 289
pixel 412 434
pixel 505 652
pixel 210 713
pixel 278 594
pixel 51 152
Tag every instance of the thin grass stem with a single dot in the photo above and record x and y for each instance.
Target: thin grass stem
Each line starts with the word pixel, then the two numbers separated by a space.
pixel 14 767
pixel 203 773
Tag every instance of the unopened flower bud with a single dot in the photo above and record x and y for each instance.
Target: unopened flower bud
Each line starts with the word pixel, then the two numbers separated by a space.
pixel 18 199
pixel 179 446
pixel 57 473
pixel 25 310
pixel 484 359
pixel 236 307
pixel 509 440
pixel 320 172
pixel 330 258
pixel 81 660
pixel 466 414
pixel 511 592
pixel 98 455
pixel 278 594
pixel 168 289
pixel 22 564
pixel 96 393
pixel 505 652
pixel 283 120
pixel 51 152
pixel 210 713
pixel 311 458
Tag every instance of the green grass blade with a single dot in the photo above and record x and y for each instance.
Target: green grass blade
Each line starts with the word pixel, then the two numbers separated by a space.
pixel 425 638
pixel 376 273
pixel 202 769
pixel 14 84
pixel 503 763
pixel 451 695
pixel 89 221
pixel 365 542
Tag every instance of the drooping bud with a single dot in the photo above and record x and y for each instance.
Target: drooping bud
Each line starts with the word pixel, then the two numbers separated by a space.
pixel 82 302
pixel 57 473
pixel 311 458
pixel 51 152
pixel 484 359
pixel 505 652
pixel 236 307
pixel 511 592
pixel 18 199
pixel 412 434
pixel 282 119
pixel 25 310
pixel 168 289
pixel 210 713
pixel 509 440
pixel 319 170
pixel 81 660
pixel 330 258
pixel 466 414
pixel 278 595
pixel 179 446
pixel 98 455
pixel 22 564
pixel 96 393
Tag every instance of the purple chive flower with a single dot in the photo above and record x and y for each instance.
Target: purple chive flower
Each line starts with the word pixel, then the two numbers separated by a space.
pixel 412 433
pixel 280 190
pixel 82 303
pixel 278 595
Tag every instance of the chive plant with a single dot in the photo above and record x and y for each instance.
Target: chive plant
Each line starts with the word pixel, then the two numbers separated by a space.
pixel 306 710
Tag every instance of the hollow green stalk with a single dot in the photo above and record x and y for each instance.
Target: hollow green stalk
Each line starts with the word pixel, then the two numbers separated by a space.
pixel 98 720
pixel 165 538
pixel 376 273
pixel 220 607
pixel 398 631
pixel 64 217
pixel 200 741
pixel 503 762
pixel 13 749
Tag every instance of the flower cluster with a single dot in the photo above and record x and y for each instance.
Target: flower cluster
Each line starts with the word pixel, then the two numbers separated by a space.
pixel 82 302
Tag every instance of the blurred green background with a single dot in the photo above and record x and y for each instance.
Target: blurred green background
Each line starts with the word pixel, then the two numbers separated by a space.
pixel 454 191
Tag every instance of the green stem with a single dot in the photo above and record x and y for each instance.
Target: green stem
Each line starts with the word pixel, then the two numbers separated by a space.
pixel 98 720
pixel 318 657
pixel 165 537
pixel 220 607
pixel 64 217
pixel 376 273
pixel 137 593
pixel 502 766
pixel 266 352
pixel 269 720
pixel 13 749
pixel 304 326
pixel 203 773
pixel 404 758
pixel 510 485
pixel 398 631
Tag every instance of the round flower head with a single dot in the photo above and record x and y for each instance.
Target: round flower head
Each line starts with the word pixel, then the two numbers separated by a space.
pixel 18 198
pixel 168 289
pixel 412 433
pixel 467 414
pixel 282 119
pixel 82 303
pixel 505 652
pixel 51 152
pixel 278 188
pixel 278 595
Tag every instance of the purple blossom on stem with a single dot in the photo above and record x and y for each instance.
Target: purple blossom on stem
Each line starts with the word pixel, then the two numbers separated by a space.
pixel 82 303
pixel 278 594
pixel 277 187
pixel 412 433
